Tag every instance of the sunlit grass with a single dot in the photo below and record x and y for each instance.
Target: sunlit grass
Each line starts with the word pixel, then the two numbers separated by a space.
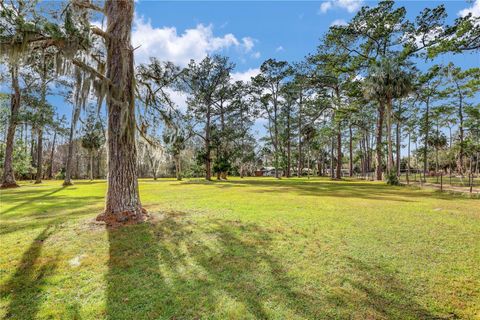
pixel 241 249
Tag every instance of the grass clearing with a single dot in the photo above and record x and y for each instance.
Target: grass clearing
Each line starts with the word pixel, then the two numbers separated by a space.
pixel 252 248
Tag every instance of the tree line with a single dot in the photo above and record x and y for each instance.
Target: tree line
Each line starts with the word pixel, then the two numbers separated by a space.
pixel 372 91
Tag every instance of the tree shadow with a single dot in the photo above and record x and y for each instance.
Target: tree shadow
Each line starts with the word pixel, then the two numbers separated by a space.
pixel 326 188
pixel 43 196
pixel 177 268
pixel 380 294
pixel 24 289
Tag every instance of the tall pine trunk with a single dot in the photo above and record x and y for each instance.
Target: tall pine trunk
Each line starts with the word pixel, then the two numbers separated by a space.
pixel 52 153
pixel 350 164
pixel 427 132
pixel 123 200
pixel 208 160
pixel 339 153
pixel 8 179
pixel 378 142
pixel 389 136
pixel 38 177
pixel 68 166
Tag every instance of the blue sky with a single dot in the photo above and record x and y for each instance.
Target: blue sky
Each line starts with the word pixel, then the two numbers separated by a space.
pixel 250 32
pixel 283 30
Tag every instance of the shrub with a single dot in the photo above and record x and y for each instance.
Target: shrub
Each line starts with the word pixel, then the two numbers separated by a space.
pixel 392 179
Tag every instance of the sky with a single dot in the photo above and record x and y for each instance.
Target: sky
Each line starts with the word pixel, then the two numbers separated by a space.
pixel 250 32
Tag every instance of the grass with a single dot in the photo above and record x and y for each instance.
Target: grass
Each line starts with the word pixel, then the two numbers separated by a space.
pixel 252 248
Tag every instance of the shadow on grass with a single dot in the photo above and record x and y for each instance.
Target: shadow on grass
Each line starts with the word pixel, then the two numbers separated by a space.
pixel 24 289
pixel 42 196
pixel 326 188
pixel 177 269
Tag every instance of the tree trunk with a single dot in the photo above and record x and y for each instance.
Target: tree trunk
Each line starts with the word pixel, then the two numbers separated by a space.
pixel 299 164
pixel 123 200
pixel 408 160
pixel 208 161
pixel 91 165
pixel 68 167
pixel 289 146
pixel 332 158
pixel 389 136
pixel 52 153
pixel 38 178
pixel 275 138
pixel 339 153
pixel 460 166
pixel 351 152
pixel 8 179
pixel 178 169
pixel 399 140
pixel 427 131
pixel 378 142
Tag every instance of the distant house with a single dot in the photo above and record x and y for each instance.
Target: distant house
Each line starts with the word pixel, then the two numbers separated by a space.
pixel 268 172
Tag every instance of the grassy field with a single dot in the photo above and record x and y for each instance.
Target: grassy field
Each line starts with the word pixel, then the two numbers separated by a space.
pixel 241 249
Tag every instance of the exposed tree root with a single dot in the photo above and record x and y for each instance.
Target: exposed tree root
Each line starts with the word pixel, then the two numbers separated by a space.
pixel 66 184
pixel 9 185
pixel 123 218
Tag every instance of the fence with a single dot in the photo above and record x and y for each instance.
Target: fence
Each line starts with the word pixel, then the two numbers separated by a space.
pixel 470 182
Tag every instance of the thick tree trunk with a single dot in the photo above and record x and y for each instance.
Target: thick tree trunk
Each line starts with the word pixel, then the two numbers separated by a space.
pixel 8 178
pixel 178 169
pixel 378 142
pixel 52 153
pixel 123 200
pixel 68 166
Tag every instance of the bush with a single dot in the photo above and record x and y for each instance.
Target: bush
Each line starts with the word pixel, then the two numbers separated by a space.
pixel 392 179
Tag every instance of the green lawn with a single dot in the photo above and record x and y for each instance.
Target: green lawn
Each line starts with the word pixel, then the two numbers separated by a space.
pixel 251 248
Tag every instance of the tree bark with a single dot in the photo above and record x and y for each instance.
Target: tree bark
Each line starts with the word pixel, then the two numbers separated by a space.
pixel 351 152
pixel 389 135
pixel 123 204
pixel 208 160
pixel 427 131
pixel 460 166
pixel 378 142
pixel 38 178
pixel 8 179
pixel 289 146
pixel 91 165
pixel 332 158
pixel 339 153
pixel 52 153
pixel 68 166
pixel 299 164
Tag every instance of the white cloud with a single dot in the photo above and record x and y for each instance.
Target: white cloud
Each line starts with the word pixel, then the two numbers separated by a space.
pixel 167 45
pixel 325 6
pixel 280 48
pixel 248 43
pixel 245 76
pixel 338 22
pixel 474 10
pixel 349 5
pixel 256 55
